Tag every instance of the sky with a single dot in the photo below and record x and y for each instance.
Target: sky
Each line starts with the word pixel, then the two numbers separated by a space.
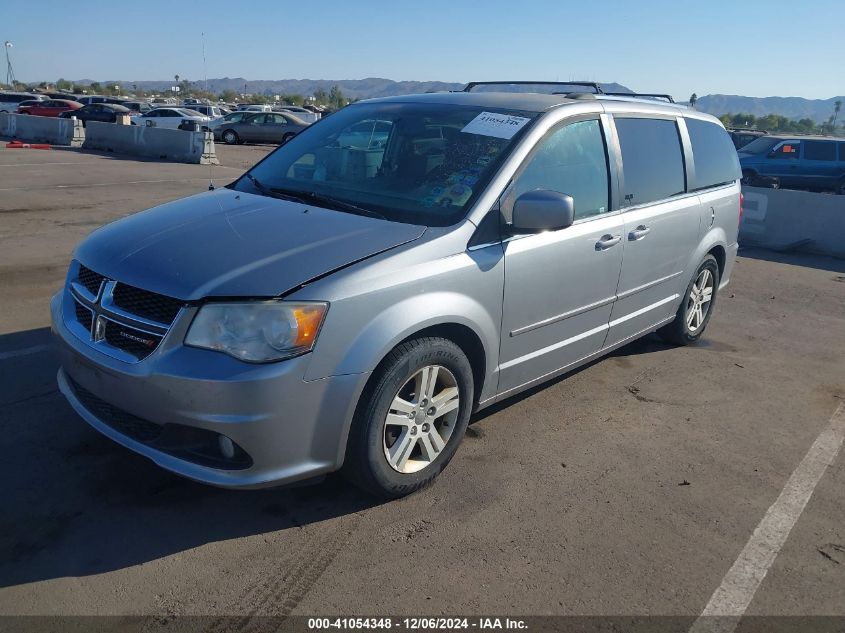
pixel 746 47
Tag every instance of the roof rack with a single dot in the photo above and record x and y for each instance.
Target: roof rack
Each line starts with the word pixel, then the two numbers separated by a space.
pixel 653 95
pixel 589 84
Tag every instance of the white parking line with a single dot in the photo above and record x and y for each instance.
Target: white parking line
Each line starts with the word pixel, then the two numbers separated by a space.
pixel 35 164
pixel 26 351
pixel 741 582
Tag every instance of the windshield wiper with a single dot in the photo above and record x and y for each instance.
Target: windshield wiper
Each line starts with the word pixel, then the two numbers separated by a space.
pixel 272 193
pixel 321 199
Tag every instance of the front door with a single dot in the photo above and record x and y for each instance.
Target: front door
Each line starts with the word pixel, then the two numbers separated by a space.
pixel 560 285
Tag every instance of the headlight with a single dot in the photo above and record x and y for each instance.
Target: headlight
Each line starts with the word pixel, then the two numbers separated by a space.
pixel 258 331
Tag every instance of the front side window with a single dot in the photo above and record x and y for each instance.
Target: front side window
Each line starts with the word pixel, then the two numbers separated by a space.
pixel 790 150
pixel 421 163
pixel 820 150
pixel 570 160
pixel 716 162
pixel 652 159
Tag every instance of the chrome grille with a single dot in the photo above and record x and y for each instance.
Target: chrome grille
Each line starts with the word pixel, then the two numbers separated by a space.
pixel 90 279
pixel 125 322
pixel 148 305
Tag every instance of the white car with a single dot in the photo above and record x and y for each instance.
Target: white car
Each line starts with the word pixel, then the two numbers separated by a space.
pixel 170 118
pixel 299 113
pixel 212 111
pixel 254 107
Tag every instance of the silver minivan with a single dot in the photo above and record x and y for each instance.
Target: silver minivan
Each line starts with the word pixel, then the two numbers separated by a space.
pixel 353 298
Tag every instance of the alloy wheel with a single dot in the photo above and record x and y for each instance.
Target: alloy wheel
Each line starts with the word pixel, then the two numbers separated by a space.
pixel 698 302
pixel 421 419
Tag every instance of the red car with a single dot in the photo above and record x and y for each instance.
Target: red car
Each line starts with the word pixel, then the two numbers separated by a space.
pixel 52 107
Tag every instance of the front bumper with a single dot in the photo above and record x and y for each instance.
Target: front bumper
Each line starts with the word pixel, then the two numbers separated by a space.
pixel 290 428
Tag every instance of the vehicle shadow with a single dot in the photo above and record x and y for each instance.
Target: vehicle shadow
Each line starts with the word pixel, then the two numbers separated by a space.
pixel 821 262
pixel 649 344
pixel 76 503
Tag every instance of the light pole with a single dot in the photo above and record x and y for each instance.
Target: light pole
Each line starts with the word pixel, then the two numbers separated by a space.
pixel 10 74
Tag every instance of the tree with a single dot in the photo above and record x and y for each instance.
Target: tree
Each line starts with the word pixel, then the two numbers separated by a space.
pixel 229 96
pixel 837 106
pixel 692 99
pixel 63 84
pixel 96 87
pixel 336 98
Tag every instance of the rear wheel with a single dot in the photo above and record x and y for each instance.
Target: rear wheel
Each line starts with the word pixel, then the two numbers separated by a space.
pixel 694 312
pixel 410 421
pixel 230 137
pixel 287 137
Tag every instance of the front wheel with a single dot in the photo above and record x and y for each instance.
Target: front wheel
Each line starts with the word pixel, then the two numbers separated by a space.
pixel 697 306
pixel 287 137
pixel 230 137
pixel 411 418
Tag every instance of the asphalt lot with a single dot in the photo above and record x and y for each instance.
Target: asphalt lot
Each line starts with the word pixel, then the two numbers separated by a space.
pixel 629 487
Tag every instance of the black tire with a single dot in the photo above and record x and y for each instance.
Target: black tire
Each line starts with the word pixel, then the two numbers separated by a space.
pixel 840 186
pixel 366 464
pixel 678 331
pixel 287 137
pixel 230 137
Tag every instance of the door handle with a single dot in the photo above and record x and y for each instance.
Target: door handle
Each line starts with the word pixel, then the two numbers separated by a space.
pixel 607 241
pixel 639 233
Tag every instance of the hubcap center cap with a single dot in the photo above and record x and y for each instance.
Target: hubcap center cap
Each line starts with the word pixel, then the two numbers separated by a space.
pixel 419 417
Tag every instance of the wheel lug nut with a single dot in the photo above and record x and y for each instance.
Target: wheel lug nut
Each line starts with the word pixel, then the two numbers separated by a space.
pixel 431 411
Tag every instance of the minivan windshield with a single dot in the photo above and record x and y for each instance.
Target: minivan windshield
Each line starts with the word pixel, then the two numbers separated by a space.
pixel 419 163
pixel 761 145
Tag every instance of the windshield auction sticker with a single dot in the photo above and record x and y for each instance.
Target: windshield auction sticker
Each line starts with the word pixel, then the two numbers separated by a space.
pixel 498 125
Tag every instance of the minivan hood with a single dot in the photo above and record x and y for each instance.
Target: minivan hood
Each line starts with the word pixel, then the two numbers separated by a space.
pixel 225 243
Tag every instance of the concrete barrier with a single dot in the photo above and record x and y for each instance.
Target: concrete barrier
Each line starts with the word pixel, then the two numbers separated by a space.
pixel 786 220
pixel 151 142
pixel 41 129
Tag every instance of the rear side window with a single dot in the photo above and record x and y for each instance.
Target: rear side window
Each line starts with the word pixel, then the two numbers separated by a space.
pixel 819 150
pixel 651 158
pixel 713 153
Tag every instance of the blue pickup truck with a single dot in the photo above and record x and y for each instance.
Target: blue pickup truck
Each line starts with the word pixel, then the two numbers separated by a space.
pixel 795 162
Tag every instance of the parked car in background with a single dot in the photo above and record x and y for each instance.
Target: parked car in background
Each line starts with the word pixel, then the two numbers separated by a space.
pixel 253 107
pixel 28 103
pixel 171 118
pixel 9 101
pixel 301 113
pixel 51 107
pixel 260 127
pixel 67 96
pixel 347 307
pixel 742 137
pixel 138 107
pixel 101 99
pixel 102 112
pixel 815 163
pixel 211 111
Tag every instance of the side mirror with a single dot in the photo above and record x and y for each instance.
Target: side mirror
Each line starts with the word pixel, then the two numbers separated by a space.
pixel 542 210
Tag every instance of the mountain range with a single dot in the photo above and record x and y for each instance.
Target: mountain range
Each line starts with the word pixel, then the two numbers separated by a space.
pixel 793 107
pixel 819 110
